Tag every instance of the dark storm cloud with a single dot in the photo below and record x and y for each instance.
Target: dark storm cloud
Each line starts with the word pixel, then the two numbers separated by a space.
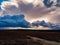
pixel 14 21
pixel 46 24
pixel 19 21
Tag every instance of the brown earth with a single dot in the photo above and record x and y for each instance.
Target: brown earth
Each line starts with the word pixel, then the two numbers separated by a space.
pixel 20 35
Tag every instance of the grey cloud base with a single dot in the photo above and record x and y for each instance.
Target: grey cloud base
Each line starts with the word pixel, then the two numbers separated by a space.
pixel 46 24
pixel 14 21
pixel 20 21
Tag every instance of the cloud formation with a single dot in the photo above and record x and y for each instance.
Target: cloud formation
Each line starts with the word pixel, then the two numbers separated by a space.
pixel 20 21
pixel 36 9
pixel 31 10
pixel 14 21
pixel 46 24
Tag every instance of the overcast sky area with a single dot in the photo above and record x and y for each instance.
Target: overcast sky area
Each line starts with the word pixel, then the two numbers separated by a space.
pixel 35 12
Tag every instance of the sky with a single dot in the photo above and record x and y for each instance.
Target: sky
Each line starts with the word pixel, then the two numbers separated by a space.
pixel 1 2
pixel 38 13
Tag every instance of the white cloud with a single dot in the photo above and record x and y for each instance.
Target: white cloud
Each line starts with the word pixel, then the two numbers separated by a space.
pixel 7 4
pixel 55 16
pixel 33 10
